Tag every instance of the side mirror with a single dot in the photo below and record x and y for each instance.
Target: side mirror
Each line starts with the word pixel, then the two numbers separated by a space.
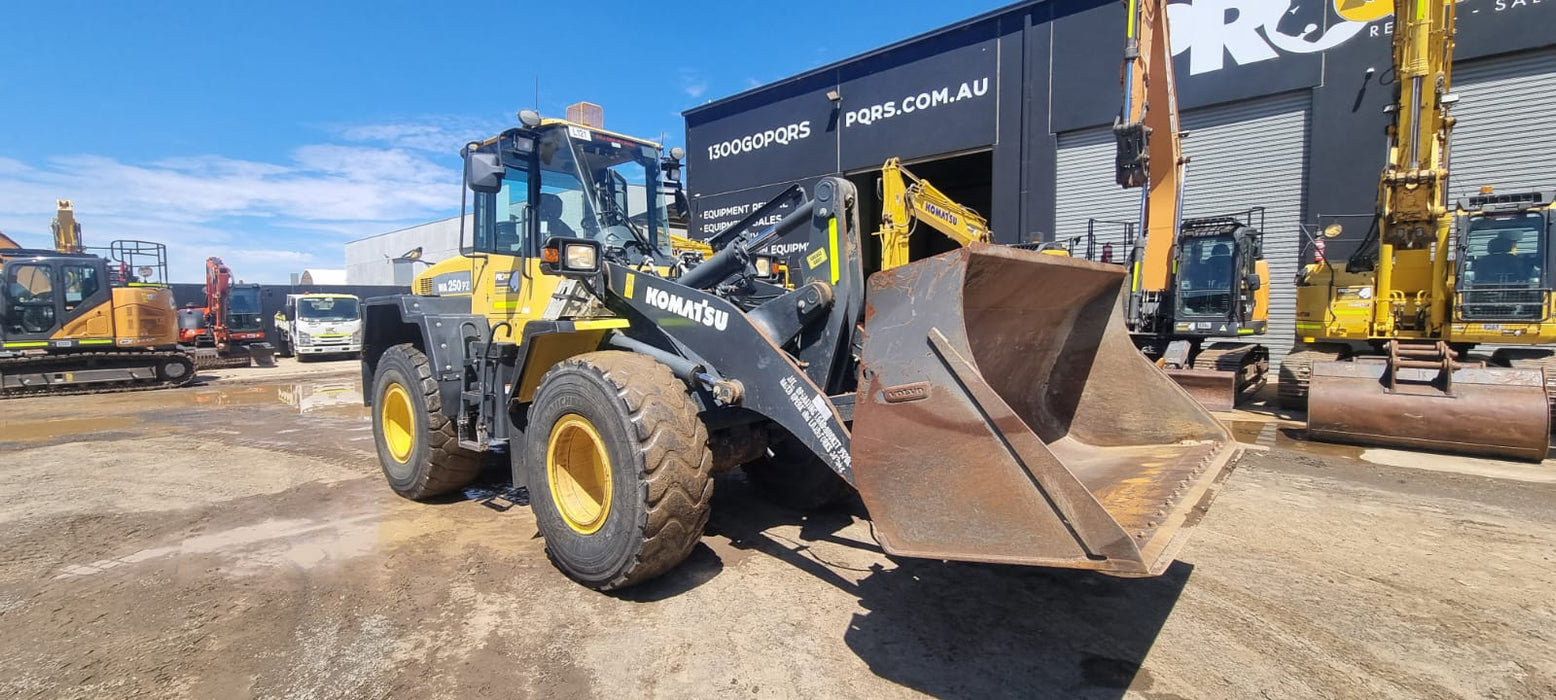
pixel 483 172
pixel 1253 280
pixel 570 257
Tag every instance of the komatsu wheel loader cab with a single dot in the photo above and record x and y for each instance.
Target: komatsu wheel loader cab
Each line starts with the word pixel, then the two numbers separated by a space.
pixel 986 403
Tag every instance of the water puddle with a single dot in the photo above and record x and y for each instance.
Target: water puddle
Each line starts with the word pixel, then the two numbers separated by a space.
pixel 39 430
pixel 1288 437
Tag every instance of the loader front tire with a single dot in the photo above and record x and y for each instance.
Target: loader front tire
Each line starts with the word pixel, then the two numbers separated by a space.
pixel 417 446
pixel 619 468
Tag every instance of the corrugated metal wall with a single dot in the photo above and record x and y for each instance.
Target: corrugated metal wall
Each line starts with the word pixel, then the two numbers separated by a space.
pixel 1505 111
pixel 1241 155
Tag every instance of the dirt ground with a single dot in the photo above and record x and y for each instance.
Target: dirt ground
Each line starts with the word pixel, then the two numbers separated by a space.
pixel 235 539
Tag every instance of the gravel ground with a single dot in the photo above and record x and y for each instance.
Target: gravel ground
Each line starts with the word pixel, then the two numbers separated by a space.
pixel 235 539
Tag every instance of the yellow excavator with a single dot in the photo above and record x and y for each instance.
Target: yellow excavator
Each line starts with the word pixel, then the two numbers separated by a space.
pixel 986 402
pixel 77 323
pixel 1382 356
pixel 906 199
pixel 1191 281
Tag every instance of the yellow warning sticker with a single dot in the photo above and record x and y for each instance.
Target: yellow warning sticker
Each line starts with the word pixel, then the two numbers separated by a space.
pixel 815 259
pixel 631 282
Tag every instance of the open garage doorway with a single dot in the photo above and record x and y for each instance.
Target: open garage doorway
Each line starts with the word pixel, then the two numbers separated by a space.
pixel 966 178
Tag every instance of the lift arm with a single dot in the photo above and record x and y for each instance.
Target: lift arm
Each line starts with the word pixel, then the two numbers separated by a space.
pixel 67 231
pixel 904 199
pixel 1149 153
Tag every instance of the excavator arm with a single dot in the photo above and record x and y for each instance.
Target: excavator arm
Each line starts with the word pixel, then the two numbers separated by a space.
pixel 905 199
pixel 1150 155
pixel 67 231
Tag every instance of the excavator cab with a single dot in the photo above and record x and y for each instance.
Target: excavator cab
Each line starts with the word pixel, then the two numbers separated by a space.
pixel 1505 260
pixel 1220 280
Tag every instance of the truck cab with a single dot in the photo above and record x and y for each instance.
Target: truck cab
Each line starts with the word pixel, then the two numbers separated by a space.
pixel 320 324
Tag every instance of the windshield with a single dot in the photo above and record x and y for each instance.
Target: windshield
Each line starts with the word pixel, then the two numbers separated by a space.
pixel 601 188
pixel 244 300
pixel 1205 276
pixel 243 309
pixel 327 309
pixel 1503 250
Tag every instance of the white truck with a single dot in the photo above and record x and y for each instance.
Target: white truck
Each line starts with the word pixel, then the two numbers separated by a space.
pixel 320 324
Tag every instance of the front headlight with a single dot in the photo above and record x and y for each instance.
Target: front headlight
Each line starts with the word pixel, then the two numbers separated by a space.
pixel 356 336
pixel 581 257
pixel 303 338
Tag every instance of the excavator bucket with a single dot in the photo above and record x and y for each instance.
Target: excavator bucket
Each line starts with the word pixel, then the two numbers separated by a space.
pixel 1481 411
pixel 1003 415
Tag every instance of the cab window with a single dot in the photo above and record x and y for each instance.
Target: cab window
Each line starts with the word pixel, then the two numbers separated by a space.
pixel 81 283
pixel 510 215
pixel 29 291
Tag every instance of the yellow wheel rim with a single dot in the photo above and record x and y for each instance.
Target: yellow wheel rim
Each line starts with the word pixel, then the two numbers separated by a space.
pixel 399 422
pixel 579 473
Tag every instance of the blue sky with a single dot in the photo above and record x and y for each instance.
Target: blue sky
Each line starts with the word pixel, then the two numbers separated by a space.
pixel 270 133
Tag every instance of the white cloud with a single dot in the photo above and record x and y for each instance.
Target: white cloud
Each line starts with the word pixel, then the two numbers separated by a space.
pixel 265 219
pixel 692 83
pixel 435 134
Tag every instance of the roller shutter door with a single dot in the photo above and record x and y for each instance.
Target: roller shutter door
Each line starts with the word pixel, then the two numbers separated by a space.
pixel 1244 154
pixel 1506 113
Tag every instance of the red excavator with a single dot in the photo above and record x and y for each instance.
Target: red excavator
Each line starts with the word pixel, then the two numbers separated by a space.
pixel 229 331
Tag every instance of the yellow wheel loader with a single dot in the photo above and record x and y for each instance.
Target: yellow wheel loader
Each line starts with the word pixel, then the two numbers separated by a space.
pixel 1382 356
pixel 986 402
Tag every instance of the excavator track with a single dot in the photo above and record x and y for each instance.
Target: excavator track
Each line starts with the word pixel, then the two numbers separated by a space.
pixel 1296 371
pixel 57 375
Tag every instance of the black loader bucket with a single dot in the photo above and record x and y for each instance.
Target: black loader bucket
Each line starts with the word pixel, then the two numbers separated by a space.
pixel 1431 402
pixel 1004 415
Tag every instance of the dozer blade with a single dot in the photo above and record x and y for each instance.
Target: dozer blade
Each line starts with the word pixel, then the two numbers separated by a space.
pixel 209 358
pixel 1004 415
pixel 1216 390
pixel 264 354
pixel 1485 411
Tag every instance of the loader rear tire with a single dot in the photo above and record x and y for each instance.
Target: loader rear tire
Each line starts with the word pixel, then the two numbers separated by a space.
pixel 417 446
pixel 619 468
pixel 790 476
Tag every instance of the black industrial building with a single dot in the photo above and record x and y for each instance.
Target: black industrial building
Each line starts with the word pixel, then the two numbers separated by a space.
pixel 1010 113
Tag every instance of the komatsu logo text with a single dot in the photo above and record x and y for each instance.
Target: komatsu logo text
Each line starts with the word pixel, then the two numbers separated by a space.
pixel 944 215
pixel 696 311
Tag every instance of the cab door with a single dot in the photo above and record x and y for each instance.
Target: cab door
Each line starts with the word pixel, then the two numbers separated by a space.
pixel 509 288
pixel 86 302
pixel 30 305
